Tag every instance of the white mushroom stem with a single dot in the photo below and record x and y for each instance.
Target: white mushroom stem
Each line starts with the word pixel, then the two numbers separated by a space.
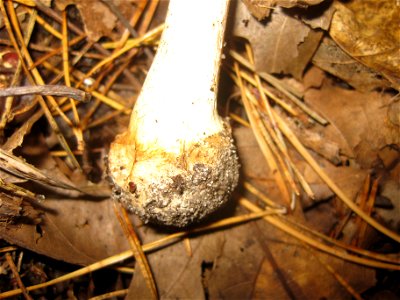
pixel 178 100
pixel 177 162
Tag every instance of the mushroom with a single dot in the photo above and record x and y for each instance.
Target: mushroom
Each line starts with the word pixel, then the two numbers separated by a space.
pixel 177 162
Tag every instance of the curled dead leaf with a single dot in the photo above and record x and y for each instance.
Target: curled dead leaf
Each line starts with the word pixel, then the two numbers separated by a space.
pixel 369 32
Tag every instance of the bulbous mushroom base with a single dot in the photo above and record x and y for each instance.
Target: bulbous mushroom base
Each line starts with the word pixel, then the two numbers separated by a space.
pixel 175 190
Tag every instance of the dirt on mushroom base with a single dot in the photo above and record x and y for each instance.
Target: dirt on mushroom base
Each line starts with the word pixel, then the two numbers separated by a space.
pixel 174 190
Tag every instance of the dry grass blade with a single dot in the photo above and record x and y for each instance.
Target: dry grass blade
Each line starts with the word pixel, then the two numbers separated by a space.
pixel 146 38
pixel 278 223
pixel 30 3
pixel 133 21
pixel 118 293
pixel 6 115
pixel 289 168
pixel 106 100
pixel 338 277
pixel 8 249
pixel 16 276
pixel 272 137
pixel 329 240
pixel 121 68
pixel 56 51
pixel 76 129
pixel 274 82
pixel 274 144
pixel 35 73
pixel 274 133
pixel 256 125
pixel 50 29
pixel 332 185
pixel 137 249
pixel 147 247
pixel 19 191
pixel 368 209
pixel 238 119
pixel 19 168
pixel 278 101
pixel 91 268
pixel 252 189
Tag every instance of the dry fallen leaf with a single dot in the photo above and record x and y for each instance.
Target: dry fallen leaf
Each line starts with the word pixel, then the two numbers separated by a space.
pixel 261 8
pixel 360 121
pixel 78 231
pixel 98 20
pixel 369 31
pixel 281 44
pixel 253 260
pixel 334 60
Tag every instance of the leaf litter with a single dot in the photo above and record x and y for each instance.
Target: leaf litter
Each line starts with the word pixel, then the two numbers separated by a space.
pixel 54 199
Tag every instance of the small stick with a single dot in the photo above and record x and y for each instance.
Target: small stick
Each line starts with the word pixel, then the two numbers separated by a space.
pixel 137 249
pixel 17 277
pixel 47 90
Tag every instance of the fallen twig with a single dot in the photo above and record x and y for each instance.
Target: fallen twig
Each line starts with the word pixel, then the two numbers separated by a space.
pixel 47 90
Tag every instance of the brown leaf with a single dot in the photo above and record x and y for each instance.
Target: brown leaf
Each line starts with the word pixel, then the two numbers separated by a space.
pixel 77 231
pixel 348 178
pixel 260 9
pixel 282 44
pixel 10 207
pixel 334 60
pixel 319 16
pixel 369 31
pixel 360 121
pixel 98 20
pixel 17 138
pixel 296 273
pixel 233 264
